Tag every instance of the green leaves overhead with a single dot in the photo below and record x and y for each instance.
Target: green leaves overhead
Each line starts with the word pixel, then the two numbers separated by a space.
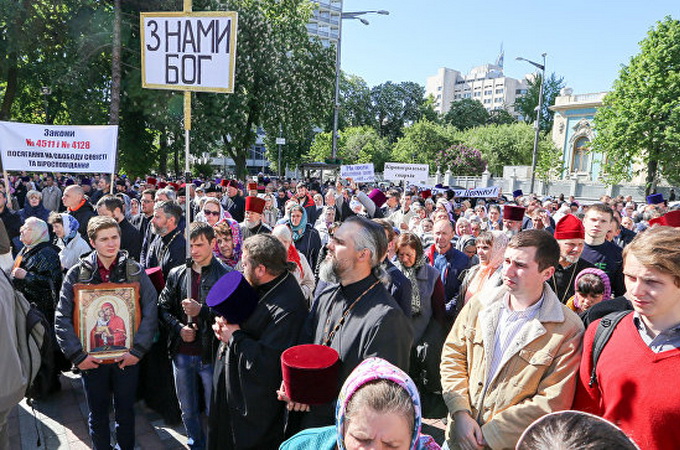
pixel 639 124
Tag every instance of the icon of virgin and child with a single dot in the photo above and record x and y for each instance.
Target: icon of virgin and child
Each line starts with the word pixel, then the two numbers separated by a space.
pixel 108 332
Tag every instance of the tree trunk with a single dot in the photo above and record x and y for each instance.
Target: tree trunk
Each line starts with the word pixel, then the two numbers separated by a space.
pixel 163 153
pixel 652 168
pixel 11 88
pixel 114 113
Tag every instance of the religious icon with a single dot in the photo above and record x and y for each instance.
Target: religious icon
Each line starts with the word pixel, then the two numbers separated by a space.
pixel 106 318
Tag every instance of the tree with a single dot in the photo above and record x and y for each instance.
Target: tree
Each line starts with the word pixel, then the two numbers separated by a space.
pixel 500 117
pixel 462 160
pixel 422 141
pixel 356 145
pixel 509 145
pixel 395 106
pixel 640 119
pixel 466 113
pixel 284 80
pixel 526 105
pixel 355 103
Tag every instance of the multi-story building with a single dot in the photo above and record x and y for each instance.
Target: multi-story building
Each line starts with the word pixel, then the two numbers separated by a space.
pixel 325 21
pixel 486 84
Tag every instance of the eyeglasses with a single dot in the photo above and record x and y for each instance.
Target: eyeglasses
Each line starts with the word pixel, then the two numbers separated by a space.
pixel 211 213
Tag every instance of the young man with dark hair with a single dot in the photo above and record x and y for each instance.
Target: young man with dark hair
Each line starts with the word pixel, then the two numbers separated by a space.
pixel 600 252
pixel 186 317
pixel 130 237
pixel 512 353
pixel 107 264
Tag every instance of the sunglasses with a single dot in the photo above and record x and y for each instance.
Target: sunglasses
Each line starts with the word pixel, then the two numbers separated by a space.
pixel 211 213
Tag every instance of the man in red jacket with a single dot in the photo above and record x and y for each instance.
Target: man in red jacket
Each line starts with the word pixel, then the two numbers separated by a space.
pixel 636 374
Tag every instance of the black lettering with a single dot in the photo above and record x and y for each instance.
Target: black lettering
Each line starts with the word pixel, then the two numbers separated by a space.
pixel 171 69
pixel 153 26
pixel 192 60
pixel 220 37
pixel 189 38
pixel 169 34
pixel 207 32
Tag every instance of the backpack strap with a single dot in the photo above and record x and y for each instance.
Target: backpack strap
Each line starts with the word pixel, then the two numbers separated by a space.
pixel 604 332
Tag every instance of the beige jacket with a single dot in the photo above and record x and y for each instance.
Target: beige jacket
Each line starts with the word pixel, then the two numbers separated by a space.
pixel 536 376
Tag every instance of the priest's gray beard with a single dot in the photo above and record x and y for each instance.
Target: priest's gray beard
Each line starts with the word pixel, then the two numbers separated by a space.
pixel 328 271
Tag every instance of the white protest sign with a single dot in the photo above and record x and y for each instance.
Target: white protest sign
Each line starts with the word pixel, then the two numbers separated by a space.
pixel 58 148
pixel 189 51
pixel 363 173
pixel 411 173
pixel 488 192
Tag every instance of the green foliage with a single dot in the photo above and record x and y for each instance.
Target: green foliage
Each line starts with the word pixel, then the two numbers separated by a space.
pixel 509 145
pixel 283 80
pixel 355 103
pixel 461 160
pixel 640 119
pixel 527 104
pixel 500 117
pixel 422 142
pixel 356 145
pixel 395 106
pixel 466 113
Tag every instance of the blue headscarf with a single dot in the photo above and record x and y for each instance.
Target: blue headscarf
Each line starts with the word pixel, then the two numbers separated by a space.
pixel 71 226
pixel 299 230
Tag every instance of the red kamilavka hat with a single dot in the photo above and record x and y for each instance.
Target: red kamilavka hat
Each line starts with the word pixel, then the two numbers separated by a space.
pixel 255 204
pixel 670 219
pixel 310 373
pixel 512 212
pixel 570 227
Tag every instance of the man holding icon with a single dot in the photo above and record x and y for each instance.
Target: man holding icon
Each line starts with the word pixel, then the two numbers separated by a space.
pixel 103 380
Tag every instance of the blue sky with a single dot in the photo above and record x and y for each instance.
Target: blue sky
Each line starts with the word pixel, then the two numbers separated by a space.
pixel 586 41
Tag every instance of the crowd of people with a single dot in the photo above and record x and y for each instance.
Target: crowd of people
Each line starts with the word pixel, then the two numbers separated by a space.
pixel 485 313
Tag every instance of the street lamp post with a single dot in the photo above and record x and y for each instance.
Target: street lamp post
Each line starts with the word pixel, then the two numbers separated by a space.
pixel 537 125
pixel 336 108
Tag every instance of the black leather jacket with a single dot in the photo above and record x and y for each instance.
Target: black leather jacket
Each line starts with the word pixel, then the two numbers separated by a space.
pixel 43 278
pixel 172 315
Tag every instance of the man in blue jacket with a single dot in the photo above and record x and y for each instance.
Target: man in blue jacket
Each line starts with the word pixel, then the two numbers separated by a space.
pixel 101 381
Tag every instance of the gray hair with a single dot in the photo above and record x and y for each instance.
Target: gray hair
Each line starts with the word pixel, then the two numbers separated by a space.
pixel 170 209
pixel 167 192
pixel 282 232
pixel 33 192
pixel 371 236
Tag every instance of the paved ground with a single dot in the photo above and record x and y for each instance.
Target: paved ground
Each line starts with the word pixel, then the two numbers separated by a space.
pixel 62 423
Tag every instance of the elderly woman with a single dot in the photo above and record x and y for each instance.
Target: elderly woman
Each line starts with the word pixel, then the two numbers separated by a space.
pixel 34 207
pixel 305 238
pixel 37 275
pixel 303 271
pixel 490 250
pixel 228 243
pixel 378 407
pixel 72 246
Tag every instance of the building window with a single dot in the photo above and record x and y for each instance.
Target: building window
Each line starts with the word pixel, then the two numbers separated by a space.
pixel 498 100
pixel 520 91
pixel 489 92
pixel 478 94
pixel 499 91
pixel 581 161
pixel 439 88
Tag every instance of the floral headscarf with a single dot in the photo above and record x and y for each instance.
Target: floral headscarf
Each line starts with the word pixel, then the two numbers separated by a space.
pixel 224 214
pixel 236 239
pixel 36 233
pixel 71 226
pixel 299 230
pixel 378 369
